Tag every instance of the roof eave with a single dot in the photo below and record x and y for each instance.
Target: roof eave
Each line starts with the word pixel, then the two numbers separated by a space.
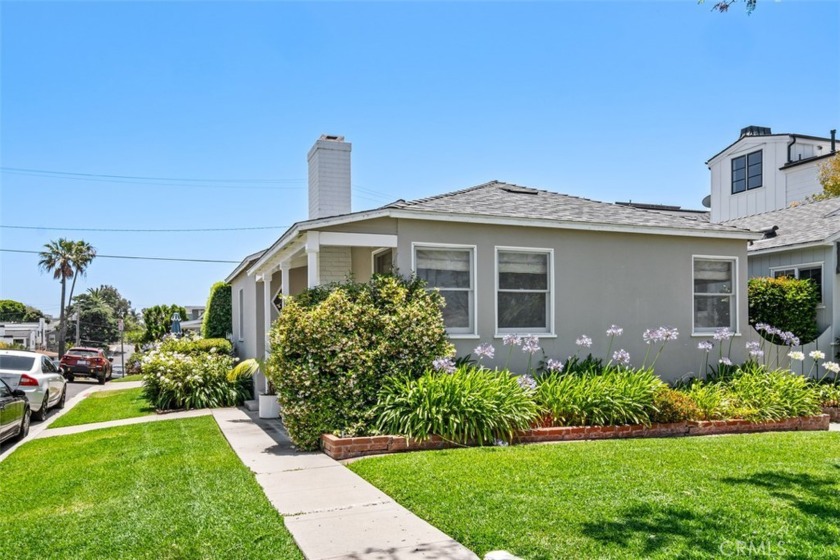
pixel 791 247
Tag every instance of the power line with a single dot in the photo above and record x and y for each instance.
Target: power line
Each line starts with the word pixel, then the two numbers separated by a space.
pixel 132 257
pixel 141 178
pixel 50 228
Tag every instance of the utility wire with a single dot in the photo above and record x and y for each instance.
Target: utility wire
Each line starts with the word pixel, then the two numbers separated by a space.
pixel 141 178
pixel 133 257
pixel 50 228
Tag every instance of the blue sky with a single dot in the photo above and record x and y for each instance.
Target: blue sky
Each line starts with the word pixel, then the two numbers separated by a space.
pixel 607 100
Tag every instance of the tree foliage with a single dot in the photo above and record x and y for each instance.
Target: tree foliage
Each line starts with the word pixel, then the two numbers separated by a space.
pixel 829 177
pixel 785 303
pixel 16 312
pixel 158 320
pixel 217 317
pixel 722 6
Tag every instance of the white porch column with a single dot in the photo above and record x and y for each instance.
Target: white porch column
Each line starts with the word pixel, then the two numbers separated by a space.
pixel 313 264
pixel 286 280
pixel 267 310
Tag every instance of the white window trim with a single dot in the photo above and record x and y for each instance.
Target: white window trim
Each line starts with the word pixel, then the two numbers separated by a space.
pixel 499 333
pixel 279 292
pixel 473 280
pixel 241 315
pixel 376 253
pixel 796 267
pixel 735 292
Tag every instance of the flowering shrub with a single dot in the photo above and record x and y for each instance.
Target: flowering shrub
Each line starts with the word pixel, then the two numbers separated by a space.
pixel 790 305
pixel 172 380
pixel 191 344
pixel 469 405
pixel 333 348
pixel 615 396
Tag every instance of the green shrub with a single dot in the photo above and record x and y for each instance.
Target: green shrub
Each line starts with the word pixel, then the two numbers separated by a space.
pixel 670 405
pixel 710 399
pixel 158 321
pixel 786 303
pixel 191 345
pixel 175 381
pixel 828 395
pixel 217 321
pixel 772 395
pixel 616 396
pixel 333 348
pixel 468 405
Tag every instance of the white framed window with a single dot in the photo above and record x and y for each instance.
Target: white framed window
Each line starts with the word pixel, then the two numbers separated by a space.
pixel 715 293
pixel 524 290
pixel 241 321
pixel 450 269
pixel 809 271
pixel 382 261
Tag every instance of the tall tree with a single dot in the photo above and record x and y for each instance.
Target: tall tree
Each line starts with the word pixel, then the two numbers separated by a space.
pixel 66 259
pixel 158 320
pixel 723 6
pixel 97 320
pixel 829 177
pixel 16 312
pixel 217 317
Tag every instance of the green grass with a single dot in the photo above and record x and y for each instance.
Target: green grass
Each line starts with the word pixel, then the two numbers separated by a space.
pixel 135 377
pixel 104 406
pixel 160 490
pixel 658 498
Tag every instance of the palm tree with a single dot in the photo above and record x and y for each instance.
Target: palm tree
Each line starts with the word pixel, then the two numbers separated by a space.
pixel 66 259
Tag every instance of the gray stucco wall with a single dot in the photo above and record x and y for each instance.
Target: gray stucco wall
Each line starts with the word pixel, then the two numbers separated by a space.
pixel 634 281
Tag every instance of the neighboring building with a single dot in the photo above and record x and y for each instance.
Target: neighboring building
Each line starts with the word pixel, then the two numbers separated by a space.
pixel 510 259
pixel 32 336
pixel 194 318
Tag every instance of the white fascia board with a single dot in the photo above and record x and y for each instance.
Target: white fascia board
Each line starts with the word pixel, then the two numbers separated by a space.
pixel 785 248
pixel 357 239
pixel 558 224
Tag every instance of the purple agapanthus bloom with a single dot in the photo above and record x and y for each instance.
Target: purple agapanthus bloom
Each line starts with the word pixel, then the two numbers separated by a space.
pixel 705 345
pixel 670 333
pixel 753 345
pixel 761 327
pixel 725 361
pixel 485 351
pixel 724 333
pixel 526 382
pixel 531 345
pixel 651 336
pixel 621 357
pixel 444 364
pixel 756 353
pixel 615 330
pixel 554 365
pixel 512 339
pixel 584 341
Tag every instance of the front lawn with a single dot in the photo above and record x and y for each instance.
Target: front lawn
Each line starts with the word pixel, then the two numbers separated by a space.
pixel 104 406
pixel 127 378
pixel 159 490
pixel 702 497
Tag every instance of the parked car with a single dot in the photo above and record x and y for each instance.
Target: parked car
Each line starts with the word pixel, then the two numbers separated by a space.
pixel 14 413
pixel 37 377
pixel 86 362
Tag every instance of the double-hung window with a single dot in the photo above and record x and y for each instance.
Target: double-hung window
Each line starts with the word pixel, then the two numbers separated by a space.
pixel 451 270
pixel 523 290
pixel 715 294
pixel 812 272
pixel 746 172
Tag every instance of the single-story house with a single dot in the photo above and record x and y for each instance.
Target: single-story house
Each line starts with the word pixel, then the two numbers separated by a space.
pixel 32 335
pixel 195 316
pixel 510 259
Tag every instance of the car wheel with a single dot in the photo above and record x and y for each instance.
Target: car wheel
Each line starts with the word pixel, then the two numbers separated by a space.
pixel 101 378
pixel 41 415
pixel 69 377
pixel 24 425
pixel 63 398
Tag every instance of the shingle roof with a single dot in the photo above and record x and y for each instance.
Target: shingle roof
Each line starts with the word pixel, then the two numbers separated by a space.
pixel 498 199
pixel 810 222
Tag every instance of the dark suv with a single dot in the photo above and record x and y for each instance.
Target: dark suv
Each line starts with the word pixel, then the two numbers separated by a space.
pixel 86 362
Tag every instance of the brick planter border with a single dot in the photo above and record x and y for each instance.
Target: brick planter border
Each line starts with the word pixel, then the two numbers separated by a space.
pixel 347 448
pixel 833 412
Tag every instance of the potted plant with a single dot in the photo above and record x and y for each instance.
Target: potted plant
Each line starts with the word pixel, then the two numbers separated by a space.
pixel 269 406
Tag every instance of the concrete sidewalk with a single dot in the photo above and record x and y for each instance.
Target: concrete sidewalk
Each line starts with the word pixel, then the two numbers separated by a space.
pixel 124 422
pixel 331 512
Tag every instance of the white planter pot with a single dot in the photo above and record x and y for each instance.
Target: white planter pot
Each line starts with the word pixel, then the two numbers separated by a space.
pixel 269 407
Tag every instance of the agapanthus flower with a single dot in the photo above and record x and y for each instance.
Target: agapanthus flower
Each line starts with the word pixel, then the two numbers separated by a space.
pixel 724 333
pixel 444 364
pixel 650 336
pixel 526 382
pixel 799 356
pixel 512 339
pixel 756 353
pixel 554 365
pixel 621 357
pixel 485 351
pixel 725 361
pixel 833 367
pixel 669 333
pixel 705 345
pixel 817 355
pixel 531 345
pixel 761 326
pixel 584 341
pixel 753 345
pixel 615 330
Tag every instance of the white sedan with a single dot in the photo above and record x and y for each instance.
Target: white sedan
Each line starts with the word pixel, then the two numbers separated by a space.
pixel 35 375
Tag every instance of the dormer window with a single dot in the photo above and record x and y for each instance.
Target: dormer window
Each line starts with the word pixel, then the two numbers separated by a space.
pixel 746 172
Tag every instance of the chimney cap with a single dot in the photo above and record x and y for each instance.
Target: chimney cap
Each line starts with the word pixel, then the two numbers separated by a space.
pixel 332 137
pixel 755 131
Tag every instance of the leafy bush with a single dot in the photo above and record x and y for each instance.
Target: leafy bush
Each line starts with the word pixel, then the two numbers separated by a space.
pixel 617 396
pixel 333 348
pixel 772 395
pixel 786 303
pixel 710 399
pixel 191 345
pixel 828 395
pixel 670 405
pixel 217 321
pixel 469 405
pixel 158 321
pixel 173 381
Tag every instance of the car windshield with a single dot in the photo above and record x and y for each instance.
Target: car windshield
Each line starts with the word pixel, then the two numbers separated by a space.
pixel 16 363
pixel 84 353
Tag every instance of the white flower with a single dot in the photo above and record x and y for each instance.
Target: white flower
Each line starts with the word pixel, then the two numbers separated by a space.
pixel 833 367
pixel 621 356
pixel 799 356
pixel 705 345
pixel 725 361
pixel 615 330
pixel 817 355
pixel 584 341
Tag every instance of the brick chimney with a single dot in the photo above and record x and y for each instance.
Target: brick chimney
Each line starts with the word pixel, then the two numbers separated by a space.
pixel 329 177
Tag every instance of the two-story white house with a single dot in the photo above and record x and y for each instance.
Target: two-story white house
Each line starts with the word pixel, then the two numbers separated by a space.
pixel 763 182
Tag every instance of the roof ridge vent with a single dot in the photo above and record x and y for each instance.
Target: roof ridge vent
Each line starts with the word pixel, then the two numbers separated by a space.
pixel 516 189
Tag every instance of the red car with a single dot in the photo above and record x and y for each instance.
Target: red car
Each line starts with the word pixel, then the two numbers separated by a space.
pixel 86 362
